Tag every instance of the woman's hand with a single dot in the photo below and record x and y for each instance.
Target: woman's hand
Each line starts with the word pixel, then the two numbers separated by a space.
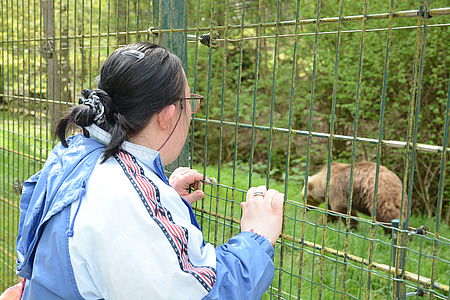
pixel 262 212
pixel 183 178
pixel 14 292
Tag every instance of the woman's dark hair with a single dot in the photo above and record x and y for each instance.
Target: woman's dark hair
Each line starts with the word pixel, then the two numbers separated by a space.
pixel 132 88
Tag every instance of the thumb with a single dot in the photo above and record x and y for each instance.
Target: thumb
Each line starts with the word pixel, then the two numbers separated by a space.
pixel 194 196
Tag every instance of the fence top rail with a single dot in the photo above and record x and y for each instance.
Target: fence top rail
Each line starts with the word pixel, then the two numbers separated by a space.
pixel 380 16
pixel 195 37
pixel 320 33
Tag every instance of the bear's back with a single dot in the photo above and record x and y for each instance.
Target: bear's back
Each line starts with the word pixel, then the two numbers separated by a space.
pixel 389 188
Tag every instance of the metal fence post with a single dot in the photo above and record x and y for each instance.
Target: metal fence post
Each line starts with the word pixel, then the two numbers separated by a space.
pixel 2 89
pixel 395 224
pixel 171 14
pixel 48 51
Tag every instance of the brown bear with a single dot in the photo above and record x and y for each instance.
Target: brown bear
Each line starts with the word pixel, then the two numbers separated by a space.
pixel 389 190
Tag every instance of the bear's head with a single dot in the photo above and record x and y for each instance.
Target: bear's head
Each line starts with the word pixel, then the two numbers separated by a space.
pixel 316 194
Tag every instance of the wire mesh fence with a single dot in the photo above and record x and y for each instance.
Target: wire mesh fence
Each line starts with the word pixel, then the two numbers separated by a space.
pixel 289 86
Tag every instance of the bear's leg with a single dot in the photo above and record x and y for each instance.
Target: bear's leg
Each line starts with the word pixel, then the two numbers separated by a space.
pixel 386 214
pixel 330 217
pixel 353 222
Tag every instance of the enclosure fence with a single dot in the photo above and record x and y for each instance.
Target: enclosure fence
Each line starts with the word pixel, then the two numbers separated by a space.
pixel 289 86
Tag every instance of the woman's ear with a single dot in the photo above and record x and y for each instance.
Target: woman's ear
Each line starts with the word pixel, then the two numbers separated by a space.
pixel 165 118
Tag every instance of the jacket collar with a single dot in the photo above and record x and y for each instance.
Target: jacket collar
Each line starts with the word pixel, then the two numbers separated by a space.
pixel 147 156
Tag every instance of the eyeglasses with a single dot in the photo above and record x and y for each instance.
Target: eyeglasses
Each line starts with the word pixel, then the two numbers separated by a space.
pixel 195 100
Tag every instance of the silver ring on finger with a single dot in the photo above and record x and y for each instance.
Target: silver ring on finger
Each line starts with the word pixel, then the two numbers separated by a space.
pixel 258 193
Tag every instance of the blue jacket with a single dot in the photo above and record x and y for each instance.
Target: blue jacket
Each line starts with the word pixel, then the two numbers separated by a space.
pixel 243 269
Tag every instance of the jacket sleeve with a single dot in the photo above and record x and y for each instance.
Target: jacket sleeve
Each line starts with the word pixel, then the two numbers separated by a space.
pixel 244 268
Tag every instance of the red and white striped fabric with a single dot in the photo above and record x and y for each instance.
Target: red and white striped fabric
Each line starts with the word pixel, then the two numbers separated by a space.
pixel 176 234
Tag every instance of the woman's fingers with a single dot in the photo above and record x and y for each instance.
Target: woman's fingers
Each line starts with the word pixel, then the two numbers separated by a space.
pixel 182 170
pixel 255 194
pixel 250 192
pixel 14 292
pixel 192 178
pixel 262 212
pixel 194 196
pixel 270 194
pixel 182 178
pixel 278 202
pixel 183 173
pixel 275 199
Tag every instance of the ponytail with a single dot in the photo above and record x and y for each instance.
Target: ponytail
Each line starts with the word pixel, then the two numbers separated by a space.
pixel 91 109
pixel 118 135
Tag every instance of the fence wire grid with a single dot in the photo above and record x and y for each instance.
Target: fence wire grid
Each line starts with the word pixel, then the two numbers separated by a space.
pixel 289 86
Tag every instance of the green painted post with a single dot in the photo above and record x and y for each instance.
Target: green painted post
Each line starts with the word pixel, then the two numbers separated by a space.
pixel 172 15
pixel 2 89
pixel 52 64
pixel 395 224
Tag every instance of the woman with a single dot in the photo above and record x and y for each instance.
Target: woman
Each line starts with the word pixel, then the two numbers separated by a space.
pixel 102 221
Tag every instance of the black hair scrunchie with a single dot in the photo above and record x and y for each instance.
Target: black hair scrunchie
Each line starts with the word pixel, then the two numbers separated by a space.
pixel 91 99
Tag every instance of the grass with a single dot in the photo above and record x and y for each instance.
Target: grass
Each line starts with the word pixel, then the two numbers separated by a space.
pixel 303 270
